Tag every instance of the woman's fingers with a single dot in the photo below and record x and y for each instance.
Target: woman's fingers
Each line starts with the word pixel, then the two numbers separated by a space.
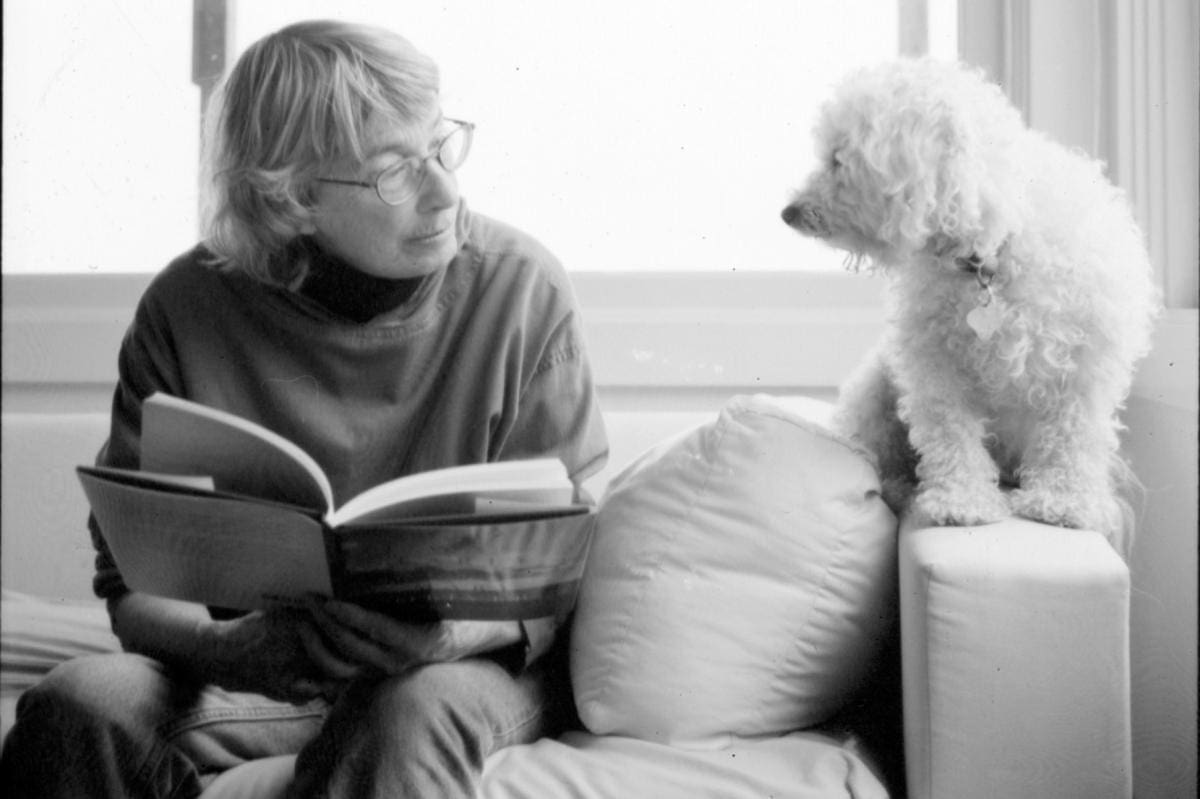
pixel 328 661
pixel 363 640
pixel 376 626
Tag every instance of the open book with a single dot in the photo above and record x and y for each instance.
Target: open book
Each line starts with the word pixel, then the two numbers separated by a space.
pixel 228 513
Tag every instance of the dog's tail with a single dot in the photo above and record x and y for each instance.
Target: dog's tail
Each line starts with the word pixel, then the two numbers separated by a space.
pixel 1128 494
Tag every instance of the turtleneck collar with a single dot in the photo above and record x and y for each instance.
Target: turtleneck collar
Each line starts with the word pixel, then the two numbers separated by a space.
pixel 348 292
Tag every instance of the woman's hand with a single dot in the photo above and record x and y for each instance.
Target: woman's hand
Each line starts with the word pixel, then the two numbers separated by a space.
pixel 379 642
pixel 277 653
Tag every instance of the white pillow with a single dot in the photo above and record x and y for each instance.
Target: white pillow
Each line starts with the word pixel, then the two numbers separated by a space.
pixel 740 581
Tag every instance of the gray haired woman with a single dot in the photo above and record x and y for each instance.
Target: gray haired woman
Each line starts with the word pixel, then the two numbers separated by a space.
pixel 344 297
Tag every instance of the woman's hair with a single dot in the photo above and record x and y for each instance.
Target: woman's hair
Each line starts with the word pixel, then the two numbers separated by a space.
pixel 295 101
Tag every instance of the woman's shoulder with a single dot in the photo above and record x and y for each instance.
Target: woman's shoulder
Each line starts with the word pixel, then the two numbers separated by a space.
pixel 191 266
pixel 190 278
pixel 498 240
pixel 506 256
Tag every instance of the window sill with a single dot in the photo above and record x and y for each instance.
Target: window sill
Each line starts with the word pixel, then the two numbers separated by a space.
pixel 743 329
pixel 716 332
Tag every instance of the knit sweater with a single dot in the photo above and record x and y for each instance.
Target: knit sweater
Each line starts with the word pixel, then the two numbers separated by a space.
pixel 481 361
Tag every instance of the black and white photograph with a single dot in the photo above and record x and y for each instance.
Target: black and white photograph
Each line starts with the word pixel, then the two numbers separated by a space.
pixel 600 399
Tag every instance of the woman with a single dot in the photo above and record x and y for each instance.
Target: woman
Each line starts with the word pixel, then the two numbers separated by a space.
pixel 345 297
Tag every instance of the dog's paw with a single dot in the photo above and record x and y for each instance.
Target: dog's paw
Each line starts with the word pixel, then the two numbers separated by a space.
pixel 961 505
pixel 1077 509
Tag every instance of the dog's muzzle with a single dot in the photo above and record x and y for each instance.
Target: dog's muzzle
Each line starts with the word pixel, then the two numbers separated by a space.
pixel 805 218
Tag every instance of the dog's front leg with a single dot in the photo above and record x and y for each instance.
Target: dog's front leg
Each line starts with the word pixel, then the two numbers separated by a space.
pixel 958 481
pixel 867 412
pixel 1066 469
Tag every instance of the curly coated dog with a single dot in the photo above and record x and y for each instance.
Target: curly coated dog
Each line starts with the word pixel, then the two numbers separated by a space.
pixel 1021 297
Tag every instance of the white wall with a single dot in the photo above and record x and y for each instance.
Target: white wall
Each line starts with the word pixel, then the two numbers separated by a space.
pixel 1162 446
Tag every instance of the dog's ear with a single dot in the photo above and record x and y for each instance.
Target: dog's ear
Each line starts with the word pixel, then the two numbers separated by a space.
pixel 914 151
pixel 979 189
pixel 961 197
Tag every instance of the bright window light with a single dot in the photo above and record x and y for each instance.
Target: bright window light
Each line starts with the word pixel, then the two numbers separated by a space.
pixel 101 135
pixel 626 134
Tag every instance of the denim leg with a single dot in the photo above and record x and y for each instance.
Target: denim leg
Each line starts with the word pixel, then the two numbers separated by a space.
pixel 427 733
pixel 120 725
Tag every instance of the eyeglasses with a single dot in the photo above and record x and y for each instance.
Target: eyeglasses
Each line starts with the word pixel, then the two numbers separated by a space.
pixel 403 179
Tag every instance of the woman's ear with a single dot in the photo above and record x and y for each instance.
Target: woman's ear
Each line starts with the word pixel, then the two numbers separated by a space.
pixel 306 204
pixel 306 225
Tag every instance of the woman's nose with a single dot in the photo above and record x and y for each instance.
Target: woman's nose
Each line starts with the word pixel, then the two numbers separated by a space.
pixel 439 189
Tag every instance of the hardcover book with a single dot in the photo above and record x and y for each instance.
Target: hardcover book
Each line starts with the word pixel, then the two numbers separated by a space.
pixel 230 514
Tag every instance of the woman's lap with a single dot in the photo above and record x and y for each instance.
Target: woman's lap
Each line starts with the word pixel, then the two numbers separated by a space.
pixel 121 722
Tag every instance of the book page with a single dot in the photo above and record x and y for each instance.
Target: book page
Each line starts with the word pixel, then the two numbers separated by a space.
pixel 226 552
pixel 183 437
pixel 453 490
pixel 196 482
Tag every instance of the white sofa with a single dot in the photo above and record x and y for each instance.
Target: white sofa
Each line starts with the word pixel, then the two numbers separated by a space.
pixel 1013 639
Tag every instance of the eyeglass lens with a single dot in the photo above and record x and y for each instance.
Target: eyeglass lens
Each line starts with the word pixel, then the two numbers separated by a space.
pixel 404 179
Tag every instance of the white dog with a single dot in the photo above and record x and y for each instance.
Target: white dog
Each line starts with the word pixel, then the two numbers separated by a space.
pixel 1021 298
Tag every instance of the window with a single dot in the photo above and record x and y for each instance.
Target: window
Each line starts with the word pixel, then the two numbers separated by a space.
pixel 101 134
pixel 627 135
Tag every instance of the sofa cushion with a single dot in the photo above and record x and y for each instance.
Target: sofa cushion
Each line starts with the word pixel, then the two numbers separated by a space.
pixel 583 766
pixel 579 765
pixel 43 519
pixel 740 581
pixel 38 633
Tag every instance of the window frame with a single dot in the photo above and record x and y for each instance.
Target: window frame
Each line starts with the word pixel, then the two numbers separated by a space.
pixel 693 336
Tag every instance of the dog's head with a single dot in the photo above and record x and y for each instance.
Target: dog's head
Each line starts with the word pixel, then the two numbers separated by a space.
pixel 912 157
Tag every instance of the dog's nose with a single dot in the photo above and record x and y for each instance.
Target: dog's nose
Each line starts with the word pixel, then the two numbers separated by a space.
pixel 805 218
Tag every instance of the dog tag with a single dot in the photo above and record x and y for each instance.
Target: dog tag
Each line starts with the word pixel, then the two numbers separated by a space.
pixel 985 319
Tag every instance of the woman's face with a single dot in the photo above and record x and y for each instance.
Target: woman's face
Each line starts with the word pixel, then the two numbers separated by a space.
pixel 412 239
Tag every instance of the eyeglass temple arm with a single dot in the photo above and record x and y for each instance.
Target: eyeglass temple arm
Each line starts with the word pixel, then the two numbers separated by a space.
pixel 346 182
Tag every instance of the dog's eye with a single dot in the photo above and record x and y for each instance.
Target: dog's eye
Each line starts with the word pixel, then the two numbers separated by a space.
pixel 835 159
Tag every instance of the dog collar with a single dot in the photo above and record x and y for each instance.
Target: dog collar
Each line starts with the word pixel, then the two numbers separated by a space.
pixel 974 265
pixel 988 314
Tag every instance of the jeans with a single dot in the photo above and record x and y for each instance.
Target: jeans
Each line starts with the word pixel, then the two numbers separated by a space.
pixel 122 725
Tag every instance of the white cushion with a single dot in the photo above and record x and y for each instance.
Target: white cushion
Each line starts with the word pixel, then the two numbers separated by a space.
pixel 578 765
pixel 37 633
pixel 741 578
pixel 582 766
pixel 1016 661
pixel 43 518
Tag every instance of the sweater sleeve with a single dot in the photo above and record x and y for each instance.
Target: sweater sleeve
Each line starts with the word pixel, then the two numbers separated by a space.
pixel 145 364
pixel 559 416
